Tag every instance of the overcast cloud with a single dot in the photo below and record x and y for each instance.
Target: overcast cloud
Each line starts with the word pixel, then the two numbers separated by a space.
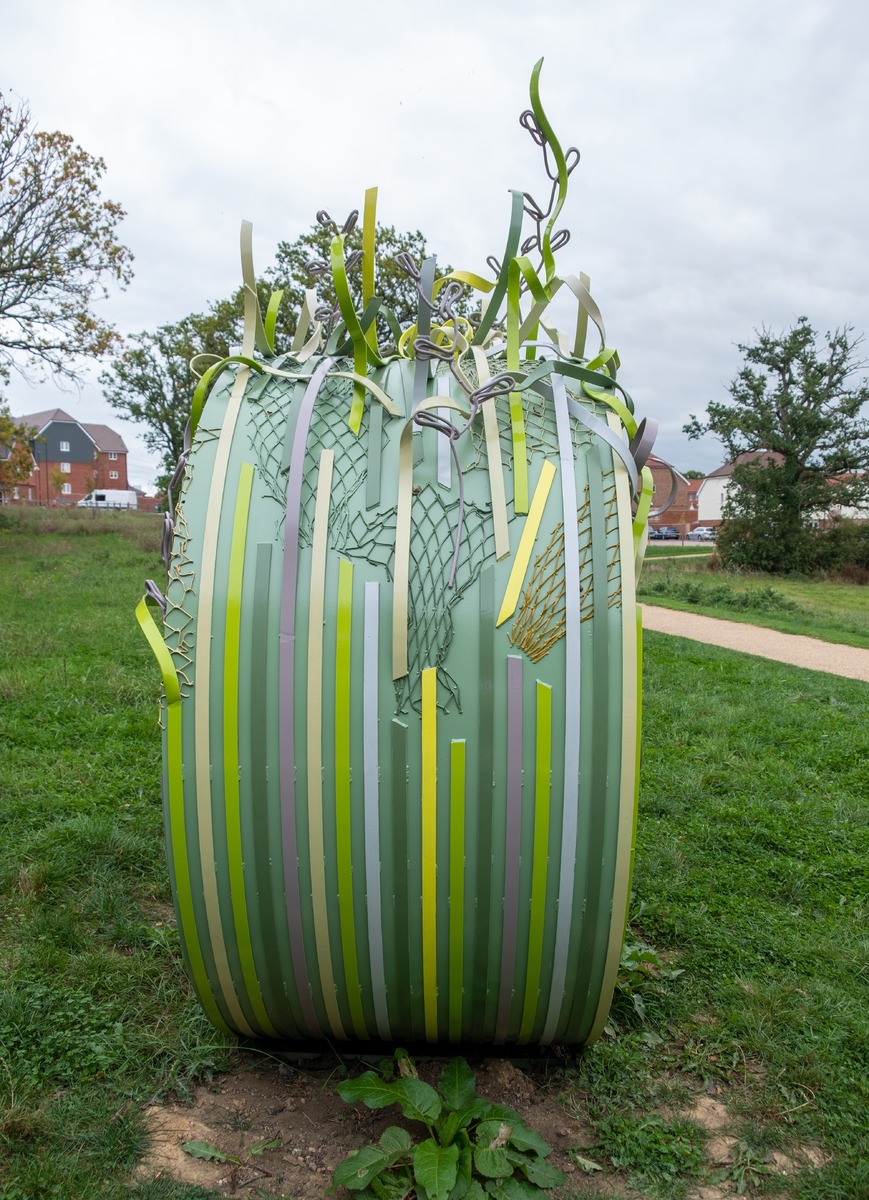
pixel 723 182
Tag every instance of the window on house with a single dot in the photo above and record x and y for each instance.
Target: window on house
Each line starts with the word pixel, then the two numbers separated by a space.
pixel 113 457
pixel 113 474
pixel 65 467
pixel 64 447
pixel 67 489
pixel 15 495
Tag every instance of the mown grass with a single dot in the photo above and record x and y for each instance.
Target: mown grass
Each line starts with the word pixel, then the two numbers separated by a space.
pixel 676 550
pixel 753 879
pixel 826 609
pixel 752 886
pixel 95 1014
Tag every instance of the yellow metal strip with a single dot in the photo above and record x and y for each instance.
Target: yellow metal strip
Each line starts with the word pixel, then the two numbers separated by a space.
pixel 493 459
pixel 177 829
pixel 316 609
pixel 526 542
pixel 343 847
pixel 540 858
pixel 231 795
pixel 429 852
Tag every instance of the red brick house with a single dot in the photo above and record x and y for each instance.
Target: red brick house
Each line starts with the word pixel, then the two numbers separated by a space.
pixel 682 513
pixel 70 459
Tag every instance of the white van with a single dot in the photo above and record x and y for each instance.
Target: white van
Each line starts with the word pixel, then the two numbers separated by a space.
pixel 106 498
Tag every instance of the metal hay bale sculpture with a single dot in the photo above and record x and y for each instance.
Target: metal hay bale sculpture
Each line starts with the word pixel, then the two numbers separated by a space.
pixel 400 655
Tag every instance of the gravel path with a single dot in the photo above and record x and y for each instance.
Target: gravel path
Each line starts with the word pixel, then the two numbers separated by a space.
pixel 791 648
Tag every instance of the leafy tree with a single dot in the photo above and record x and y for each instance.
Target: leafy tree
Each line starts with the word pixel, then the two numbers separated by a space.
pixel 694 474
pixel 396 289
pixel 16 459
pixel 152 381
pixel 58 250
pixel 795 412
pixel 57 479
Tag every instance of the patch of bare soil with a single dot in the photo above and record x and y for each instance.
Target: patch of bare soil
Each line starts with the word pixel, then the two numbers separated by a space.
pixel 295 1105
pixel 316 1130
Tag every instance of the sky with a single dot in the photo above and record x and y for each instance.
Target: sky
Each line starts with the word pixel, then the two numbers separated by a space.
pixel 723 184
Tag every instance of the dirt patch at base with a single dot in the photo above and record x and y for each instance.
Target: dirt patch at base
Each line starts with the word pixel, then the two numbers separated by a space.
pixel 294 1107
pixel 316 1130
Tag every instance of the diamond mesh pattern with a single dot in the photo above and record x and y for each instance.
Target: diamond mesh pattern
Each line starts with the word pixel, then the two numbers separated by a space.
pixel 431 603
pixel 329 429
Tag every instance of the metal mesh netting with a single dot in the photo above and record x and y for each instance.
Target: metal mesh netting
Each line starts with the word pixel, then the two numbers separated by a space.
pixel 431 602
pixel 266 433
pixel 329 429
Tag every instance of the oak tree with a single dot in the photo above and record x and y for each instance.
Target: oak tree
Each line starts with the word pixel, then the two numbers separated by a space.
pixel 796 412
pixel 58 250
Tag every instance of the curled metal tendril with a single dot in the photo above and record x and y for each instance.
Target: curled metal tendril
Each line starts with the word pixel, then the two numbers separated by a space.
pixel 407 265
pixel 327 222
pixel 156 595
pixel 532 208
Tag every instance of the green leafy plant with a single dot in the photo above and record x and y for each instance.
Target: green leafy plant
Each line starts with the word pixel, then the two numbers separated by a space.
pixel 213 1154
pixel 654 1152
pixel 747 1169
pixel 474 1148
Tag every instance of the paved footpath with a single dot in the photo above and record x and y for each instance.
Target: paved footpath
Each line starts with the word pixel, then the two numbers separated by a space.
pixel 791 648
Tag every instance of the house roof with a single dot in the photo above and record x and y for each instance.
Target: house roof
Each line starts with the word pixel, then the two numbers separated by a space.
pixel 39 420
pixel 764 457
pixel 102 436
pixel 105 438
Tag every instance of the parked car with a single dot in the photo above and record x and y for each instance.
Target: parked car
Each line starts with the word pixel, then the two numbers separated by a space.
pixel 664 531
pixel 703 533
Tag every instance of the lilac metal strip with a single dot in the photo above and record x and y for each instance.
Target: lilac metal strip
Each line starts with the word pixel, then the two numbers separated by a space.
pixel 570 809
pixel 371 782
pixel 286 708
pixel 513 844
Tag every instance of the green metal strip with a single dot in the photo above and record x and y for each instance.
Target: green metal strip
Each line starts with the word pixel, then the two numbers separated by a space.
pixel 316 610
pixel 429 851
pixel 457 885
pixel 177 832
pixel 560 165
pixel 375 453
pixel 586 981
pixel 517 418
pixel 628 779
pixel 231 796
pixel 205 791
pixel 493 459
pixel 542 786
pixel 344 620
pixel 485 791
pixel 517 211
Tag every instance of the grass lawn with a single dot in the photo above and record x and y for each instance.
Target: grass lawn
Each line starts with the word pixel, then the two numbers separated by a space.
pixel 752 897
pixel 675 550
pixel 833 611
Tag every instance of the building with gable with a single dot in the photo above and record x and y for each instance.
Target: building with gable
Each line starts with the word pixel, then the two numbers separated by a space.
pixel 70 459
